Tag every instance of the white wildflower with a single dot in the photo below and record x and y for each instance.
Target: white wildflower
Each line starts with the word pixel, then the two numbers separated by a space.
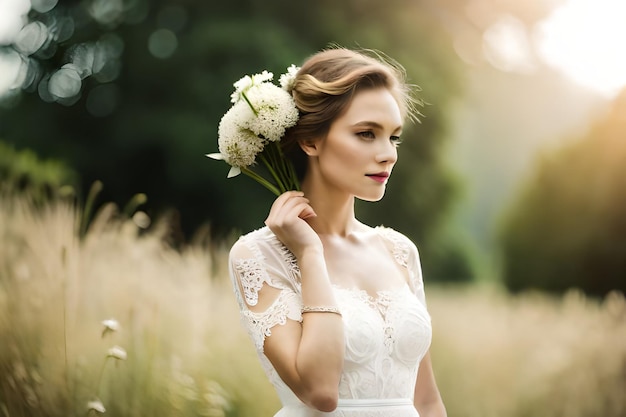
pixel 141 219
pixel 110 326
pixel 117 353
pixel 247 82
pixel 287 79
pixel 238 145
pixel 276 112
pixel 96 406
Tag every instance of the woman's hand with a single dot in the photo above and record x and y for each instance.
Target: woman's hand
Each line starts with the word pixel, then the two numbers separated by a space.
pixel 287 219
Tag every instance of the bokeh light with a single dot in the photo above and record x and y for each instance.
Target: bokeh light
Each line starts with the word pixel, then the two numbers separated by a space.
pixel 162 43
pixel 11 64
pixel 506 45
pixel 12 19
pixel 65 83
pixel 38 52
pixel 106 12
pixel 585 40
pixel 43 6
pixel 31 38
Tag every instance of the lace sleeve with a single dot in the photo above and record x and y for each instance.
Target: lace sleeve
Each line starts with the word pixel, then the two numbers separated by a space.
pixel 415 273
pixel 264 288
pixel 406 254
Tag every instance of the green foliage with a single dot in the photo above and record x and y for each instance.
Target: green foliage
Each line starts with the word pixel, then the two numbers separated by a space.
pixel 568 228
pixel 164 112
pixel 23 170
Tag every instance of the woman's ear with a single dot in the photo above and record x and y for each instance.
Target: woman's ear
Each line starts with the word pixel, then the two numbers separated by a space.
pixel 309 147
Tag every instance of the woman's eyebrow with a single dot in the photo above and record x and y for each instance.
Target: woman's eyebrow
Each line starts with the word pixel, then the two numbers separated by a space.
pixel 375 125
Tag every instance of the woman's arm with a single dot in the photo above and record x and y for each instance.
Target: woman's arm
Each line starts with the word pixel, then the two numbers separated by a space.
pixel 427 399
pixel 308 356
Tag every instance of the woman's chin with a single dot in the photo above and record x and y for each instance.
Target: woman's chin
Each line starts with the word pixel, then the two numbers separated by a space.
pixel 372 198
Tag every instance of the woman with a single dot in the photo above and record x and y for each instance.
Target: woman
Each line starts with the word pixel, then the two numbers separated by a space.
pixel 336 308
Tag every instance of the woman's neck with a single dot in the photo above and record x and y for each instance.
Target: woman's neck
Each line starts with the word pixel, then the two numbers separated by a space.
pixel 335 212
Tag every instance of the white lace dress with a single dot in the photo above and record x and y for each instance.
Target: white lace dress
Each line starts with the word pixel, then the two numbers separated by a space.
pixel 385 336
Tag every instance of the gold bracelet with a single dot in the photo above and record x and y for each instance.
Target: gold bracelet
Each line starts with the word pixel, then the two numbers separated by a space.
pixel 321 309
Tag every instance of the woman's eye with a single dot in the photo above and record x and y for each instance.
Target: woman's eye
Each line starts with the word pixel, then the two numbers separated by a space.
pixel 368 134
pixel 397 140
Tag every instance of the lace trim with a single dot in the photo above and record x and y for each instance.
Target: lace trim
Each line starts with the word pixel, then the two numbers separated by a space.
pixel 400 249
pixel 288 256
pixel 402 253
pixel 290 261
pixel 259 325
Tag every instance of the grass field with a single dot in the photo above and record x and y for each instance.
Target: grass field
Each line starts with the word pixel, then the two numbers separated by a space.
pixel 180 351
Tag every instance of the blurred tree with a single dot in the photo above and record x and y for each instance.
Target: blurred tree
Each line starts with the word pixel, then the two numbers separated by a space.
pixel 23 171
pixel 568 227
pixel 147 127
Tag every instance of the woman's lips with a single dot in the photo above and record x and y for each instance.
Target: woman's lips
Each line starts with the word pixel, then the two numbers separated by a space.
pixel 379 177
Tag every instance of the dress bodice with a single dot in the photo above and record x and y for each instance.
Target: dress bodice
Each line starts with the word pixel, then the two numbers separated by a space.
pixel 386 334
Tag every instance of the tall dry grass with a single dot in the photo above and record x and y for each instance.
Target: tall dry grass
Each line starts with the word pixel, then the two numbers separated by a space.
pixel 186 353
pixel 494 354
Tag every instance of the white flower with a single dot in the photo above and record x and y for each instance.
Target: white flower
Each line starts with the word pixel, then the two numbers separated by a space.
pixel 96 406
pixel 245 83
pixel 287 79
pixel 260 115
pixel 276 111
pixel 117 353
pixel 238 145
pixel 110 326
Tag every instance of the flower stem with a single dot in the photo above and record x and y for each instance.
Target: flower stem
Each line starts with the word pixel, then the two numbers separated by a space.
pixel 245 97
pixel 268 163
pixel 261 180
pixel 100 375
pixel 280 167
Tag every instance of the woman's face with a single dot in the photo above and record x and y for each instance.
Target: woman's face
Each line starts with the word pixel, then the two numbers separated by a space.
pixel 360 150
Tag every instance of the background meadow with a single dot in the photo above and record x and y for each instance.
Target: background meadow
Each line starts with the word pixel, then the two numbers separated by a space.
pixel 187 355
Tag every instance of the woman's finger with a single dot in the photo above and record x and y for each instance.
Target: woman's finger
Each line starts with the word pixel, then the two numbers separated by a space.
pixel 283 199
pixel 285 205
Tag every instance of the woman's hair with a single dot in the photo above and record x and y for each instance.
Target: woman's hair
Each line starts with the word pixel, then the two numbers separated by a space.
pixel 324 87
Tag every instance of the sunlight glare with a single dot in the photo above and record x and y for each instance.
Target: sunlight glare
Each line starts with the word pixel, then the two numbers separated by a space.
pixel 12 19
pixel 585 40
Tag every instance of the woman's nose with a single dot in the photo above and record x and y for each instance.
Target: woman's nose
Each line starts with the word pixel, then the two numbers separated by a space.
pixel 387 152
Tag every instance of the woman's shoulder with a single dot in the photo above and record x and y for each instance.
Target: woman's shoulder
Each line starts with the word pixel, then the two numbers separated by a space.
pixel 402 247
pixel 263 234
pixel 251 241
pixel 393 236
pixel 261 244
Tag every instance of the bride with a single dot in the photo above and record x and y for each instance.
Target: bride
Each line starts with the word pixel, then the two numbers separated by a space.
pixel 336 308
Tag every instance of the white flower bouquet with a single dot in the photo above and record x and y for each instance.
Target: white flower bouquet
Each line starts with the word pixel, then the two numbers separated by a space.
pixel 251 130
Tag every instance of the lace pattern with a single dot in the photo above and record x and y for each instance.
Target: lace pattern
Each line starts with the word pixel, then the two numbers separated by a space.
pixel 405 253
pixel 290 261
pixel 252 276
pixel 400 248
pixel 260 325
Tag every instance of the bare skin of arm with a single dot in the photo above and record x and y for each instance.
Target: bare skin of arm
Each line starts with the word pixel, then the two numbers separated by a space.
pixel 427 399
pixel 308 356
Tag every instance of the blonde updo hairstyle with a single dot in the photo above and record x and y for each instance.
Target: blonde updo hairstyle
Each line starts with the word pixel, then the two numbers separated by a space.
pixel 325 86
